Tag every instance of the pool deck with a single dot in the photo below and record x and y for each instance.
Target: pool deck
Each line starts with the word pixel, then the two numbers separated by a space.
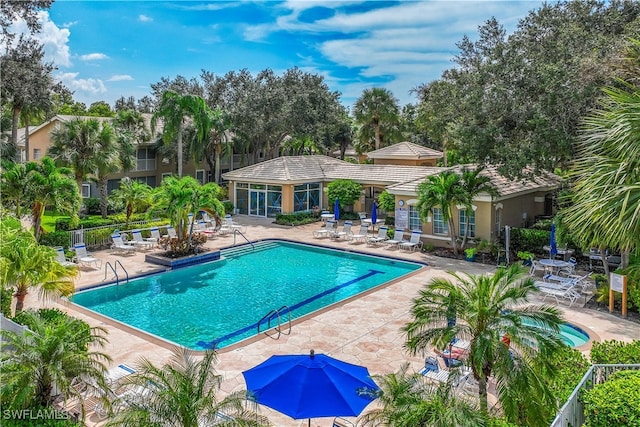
pixel 365 330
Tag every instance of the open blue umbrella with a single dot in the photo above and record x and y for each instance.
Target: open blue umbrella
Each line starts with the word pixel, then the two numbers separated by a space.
pixel 311 385
pixel 374 213
pixel 553 248
pixel 336 209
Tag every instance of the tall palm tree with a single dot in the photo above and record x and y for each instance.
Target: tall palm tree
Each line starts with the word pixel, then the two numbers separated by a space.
pixel 442 191
pixel 488 308
pixel 50 186
pixel 473 184
pixel 133 194
pixel 30 265
pixel 377 108
pixel 76 144
pixel 14 187
pixel 49 355
pixel 404 400
pixel 173 111
pixel 183 392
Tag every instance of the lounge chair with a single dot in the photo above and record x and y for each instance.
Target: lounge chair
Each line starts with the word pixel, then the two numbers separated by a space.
pixel 345 233
pixel 413 243
pixel 171 232
pixel 434 373
pixel 141 242
pixel 120 246
pixel 85 258
pixel 62 259
pixel 341 422
pixel 398 237
pixel 325 231
pixel 558 291
pixel 362 234
pixel 155 235
pixel 201 227
pixel 380 238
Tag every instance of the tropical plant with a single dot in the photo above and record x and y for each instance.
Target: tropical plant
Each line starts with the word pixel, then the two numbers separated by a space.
pixel 442 191
pixel 387 201
pixel 13 189
pixel 473 184
pixel 213 142
pixel 134 195
pixel 347 191
pixel 603 410
pixel 50 186
pixel 484 309
pixel 377 110
pixel 26 264
pixel 404 400
pixel 183 392
pixel 48 355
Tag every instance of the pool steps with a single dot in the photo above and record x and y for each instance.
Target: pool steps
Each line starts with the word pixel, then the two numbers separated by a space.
pixel 245 249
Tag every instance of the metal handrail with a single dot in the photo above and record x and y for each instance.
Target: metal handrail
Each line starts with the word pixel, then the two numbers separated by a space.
pixel 115 271
pixel 278 315
pixel 236 232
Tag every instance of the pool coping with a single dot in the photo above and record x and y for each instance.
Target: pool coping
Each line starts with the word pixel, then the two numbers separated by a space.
pixel 168 344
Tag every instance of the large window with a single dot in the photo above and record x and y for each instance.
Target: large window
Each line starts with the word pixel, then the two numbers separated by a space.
pixel 146 159
pixel 306 196
pixel 242 198
pixel 200 176
pixel 274 200
pixel 467 220
pixel 414 218
pixel 149 180
pixel 440 226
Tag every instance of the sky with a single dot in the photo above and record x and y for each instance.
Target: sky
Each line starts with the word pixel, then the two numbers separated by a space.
pixel 108 49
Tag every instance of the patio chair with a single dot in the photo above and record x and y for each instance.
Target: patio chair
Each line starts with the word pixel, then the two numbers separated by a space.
pixel 345 233
pixel 379 238
pixel 325 231
pixel 341 422
pixel 361 235
pixel 414 241
pixel 155 235
pixel 140 242
pixel 558 291
pixel 171 232
pixel 398 237
pixel 85 258
pixel 536 268
pixel 120 246
pixel 62 259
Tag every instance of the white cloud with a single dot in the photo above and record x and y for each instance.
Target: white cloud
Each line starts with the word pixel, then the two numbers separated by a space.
pixel 119 78
pixel 55 41
pixel 94 57
pixel 86 86
pixel 144 18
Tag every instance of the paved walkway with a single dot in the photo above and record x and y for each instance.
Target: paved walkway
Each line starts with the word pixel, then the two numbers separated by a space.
pixel 365 330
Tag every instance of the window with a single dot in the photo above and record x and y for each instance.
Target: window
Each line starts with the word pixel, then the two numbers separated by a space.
pixel 498 222
pixel 440 226
pixel 86 191
pixel 414 218
pixel 146 159
pixel 306 196
pixel 37 154
pixel 200 176
pixel 467 221
pixel 149 180
pixel 274 200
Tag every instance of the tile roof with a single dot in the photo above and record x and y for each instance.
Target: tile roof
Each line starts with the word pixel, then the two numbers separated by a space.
pixel 405 150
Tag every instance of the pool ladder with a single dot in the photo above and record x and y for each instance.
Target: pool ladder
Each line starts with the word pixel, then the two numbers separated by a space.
pixel 276 315
pixel 114 269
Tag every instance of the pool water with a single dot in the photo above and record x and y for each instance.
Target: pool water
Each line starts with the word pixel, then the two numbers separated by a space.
pixel 572 335
pixel 220 303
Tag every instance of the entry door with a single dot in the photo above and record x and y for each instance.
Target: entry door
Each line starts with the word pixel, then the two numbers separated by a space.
pixel 258 202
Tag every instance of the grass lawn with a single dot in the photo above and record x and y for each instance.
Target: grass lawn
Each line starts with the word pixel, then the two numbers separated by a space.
pixel 49 221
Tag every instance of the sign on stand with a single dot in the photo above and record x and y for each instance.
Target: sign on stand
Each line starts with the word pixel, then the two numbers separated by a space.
pixel 618 283
pixel 402 218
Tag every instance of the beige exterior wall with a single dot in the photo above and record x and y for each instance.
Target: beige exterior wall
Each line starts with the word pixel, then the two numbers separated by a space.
pixel 41 140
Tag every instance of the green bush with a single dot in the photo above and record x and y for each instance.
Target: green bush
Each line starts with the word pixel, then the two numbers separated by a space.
pixel 571 365
pixel 228 207
pixel 526 239
pixel 92 206
pixel 55 238
pixel 347 191
pixel 298 218
pixel 615 402
pixel 66 223
pixel 614 351
pixel 53 316
pixel 6 298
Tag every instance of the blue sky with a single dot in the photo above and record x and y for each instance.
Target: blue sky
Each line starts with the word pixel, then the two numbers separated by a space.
pixel 108 49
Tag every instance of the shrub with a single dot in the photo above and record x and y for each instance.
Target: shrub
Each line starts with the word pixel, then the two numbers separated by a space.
pixel 615 402
pixel 347 191
pixel 228 207
pixel 6 298
pixel 571 365
pixel 526 239
pixel 614 351
pixel 53 316
pixel 56 238
pixel 387 201
pixel 180 247
pixel 298 218
pixel 92 206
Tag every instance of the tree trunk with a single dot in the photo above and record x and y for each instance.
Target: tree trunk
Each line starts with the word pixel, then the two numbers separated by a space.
pixel 216 169
pixel 376 129
pixel 15 119
pixel 180 152
pixel 482 395
pixel 104 197
pixel 36 214
pixel 21 294
pixel 79 181
pixel 603 257
pixel 452 230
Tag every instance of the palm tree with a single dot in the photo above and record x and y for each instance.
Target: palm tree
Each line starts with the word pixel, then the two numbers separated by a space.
pixel 133 194
pixel 404 400
pixel 50 186
pixel 212 143
pixel 30 265
pixel 173 110
pixel 76 144
pixel 488 308
pixel 14 187
pixel 473 184
pixel 377 108
pixel 442 191
pixel 48 355
pixel 183 392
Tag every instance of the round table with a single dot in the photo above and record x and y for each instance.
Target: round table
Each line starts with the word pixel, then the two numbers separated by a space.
pixel 554 264
pixel 326 216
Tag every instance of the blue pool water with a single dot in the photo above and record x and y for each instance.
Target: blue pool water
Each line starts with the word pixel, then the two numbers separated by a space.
pixel 572 335
pixel 220 303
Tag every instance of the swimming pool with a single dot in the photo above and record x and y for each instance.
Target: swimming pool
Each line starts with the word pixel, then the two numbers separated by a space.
pixel 573 336
pixel 221 303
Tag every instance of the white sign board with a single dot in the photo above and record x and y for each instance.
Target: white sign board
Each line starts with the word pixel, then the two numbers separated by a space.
pixel 616 282
pixel 402 218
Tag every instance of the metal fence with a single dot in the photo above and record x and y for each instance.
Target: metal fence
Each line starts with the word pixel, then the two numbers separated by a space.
pixel 572 412
pixel 96 237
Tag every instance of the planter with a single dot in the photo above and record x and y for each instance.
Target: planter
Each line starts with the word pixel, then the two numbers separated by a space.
pixel 527 263
pixel 182 261
pixel 471 258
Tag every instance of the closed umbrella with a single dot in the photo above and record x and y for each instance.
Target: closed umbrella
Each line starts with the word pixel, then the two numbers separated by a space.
pixel 553 248
pixel 336 209
pixel 311 386
pixel 374 213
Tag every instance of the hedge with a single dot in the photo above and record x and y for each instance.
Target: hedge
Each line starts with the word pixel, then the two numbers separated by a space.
pixel 615 402
pixel 614 352
pixel 55 238
pixel 527 239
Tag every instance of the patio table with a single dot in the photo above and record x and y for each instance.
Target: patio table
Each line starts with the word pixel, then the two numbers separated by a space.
pixel 554 264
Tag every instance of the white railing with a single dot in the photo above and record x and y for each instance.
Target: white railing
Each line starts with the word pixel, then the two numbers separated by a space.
pixel 572 412
pixel 101 236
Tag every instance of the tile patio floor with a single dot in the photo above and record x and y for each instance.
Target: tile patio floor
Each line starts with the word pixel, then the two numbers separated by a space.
pixel 363 331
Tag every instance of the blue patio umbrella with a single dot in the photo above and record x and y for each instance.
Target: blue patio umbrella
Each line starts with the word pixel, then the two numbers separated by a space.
pixel 374 213
pixel 336 209
pixel 553 248
pixel 311 386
